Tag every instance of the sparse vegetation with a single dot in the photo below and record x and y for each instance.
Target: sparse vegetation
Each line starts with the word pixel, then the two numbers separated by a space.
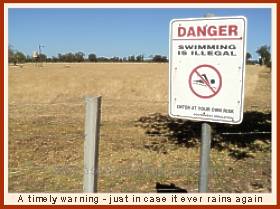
pixel 46 132
pixel 248 57
pixel 264 52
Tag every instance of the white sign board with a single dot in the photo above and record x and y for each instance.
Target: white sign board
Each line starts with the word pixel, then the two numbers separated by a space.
pixel 207 69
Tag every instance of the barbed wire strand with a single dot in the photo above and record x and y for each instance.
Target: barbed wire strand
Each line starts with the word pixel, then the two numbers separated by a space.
pixel 246 133
pixel 114 100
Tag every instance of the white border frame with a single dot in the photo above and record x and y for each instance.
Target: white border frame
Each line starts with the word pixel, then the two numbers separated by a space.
pixel 269 198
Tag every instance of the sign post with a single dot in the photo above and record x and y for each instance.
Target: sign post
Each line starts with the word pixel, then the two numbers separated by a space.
pixel 204 156
pixel 206 75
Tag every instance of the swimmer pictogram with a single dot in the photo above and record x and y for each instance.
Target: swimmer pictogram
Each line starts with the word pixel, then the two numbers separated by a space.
pixel 205 81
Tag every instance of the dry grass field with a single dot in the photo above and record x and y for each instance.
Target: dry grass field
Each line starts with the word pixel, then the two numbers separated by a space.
pixel 139 144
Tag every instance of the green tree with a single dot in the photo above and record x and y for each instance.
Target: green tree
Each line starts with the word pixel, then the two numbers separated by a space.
pixel 159 58
pixel 60 58
pixel 79 57
pixel 19 57
pixel 248 57
pixel 115 59
pixel 54 59
pixel 131 58
pixel 92 58
pixel 264 52
pixel 68 57
pixel 11 54
pixel 42 57
pixel 139 58
pixel 102 59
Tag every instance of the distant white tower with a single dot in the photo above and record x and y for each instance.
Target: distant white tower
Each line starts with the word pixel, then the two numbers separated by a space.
pixel 35 55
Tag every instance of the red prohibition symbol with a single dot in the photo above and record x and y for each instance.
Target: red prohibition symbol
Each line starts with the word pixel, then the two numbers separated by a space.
pixel 205 81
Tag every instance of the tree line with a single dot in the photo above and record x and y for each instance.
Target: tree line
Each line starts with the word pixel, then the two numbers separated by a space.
pixel 16 56
pixel 19 57
pixel 264 59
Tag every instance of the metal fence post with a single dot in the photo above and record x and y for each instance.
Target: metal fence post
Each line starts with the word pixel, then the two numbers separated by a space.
pixel 91 143
pixel 204 156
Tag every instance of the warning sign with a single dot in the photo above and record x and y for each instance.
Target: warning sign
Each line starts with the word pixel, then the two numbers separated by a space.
pixel 206 69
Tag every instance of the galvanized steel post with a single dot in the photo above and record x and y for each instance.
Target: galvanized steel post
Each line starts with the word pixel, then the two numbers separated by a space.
pixel 91 143
pixel 204 156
